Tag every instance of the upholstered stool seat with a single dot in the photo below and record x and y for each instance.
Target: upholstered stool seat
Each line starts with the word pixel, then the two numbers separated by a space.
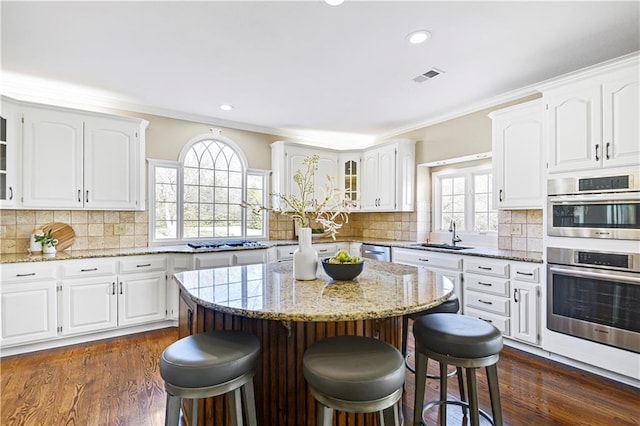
pixel 354 374
pixel 462 341
pixel 210 364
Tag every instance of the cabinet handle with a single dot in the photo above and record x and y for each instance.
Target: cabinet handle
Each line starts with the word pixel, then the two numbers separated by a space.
pixel 515 295
pixel 323 250
pixel 86 200
pixel 31 274
pixel 500 196
pixel 485 284
pixel 529 274
pixel 423 260
pixel 113 288
pixel 143 266
pixel 120 287
pixel 485 268
pixel 597 155
pixel 291 253
pixel 10 193
pixel 606 153
pixel 79 195
pixel 485 302
pixel 88 270
pixel 485 320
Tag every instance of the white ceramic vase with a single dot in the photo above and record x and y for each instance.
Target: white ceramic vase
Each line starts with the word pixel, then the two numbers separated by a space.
pixel 47 249
pixel 305 258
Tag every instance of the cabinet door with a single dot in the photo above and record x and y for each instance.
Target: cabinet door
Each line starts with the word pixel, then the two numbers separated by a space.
pixel 518 139
pixel 89 304
pixel 327 166
pixel 10 137
pixel 141 298
pixel 111 164
pixel 28 312
pixel 52 159
pixel 387 178
pixel 620 131
pixel 249 257
pixel 574 127
pixel 369 188
pixel 525 312
pixel 327 173
pixel 349 179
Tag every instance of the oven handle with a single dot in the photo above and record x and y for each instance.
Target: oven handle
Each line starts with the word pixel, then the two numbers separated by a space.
pixel 586 274
pixel 610 197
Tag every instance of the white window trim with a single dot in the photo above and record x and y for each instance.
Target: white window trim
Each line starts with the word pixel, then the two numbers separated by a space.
pixel 151 200
pixel 488 238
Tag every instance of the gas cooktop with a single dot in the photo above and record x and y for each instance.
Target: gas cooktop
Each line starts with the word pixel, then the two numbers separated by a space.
pixel 224 244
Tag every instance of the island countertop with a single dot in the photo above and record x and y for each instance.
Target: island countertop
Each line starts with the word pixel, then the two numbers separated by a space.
pixel 269 291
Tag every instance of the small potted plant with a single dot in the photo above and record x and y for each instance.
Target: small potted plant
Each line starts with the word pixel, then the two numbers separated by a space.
pixel 47 241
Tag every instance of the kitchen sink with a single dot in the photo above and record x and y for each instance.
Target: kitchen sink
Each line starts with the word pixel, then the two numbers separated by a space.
pixel 444 246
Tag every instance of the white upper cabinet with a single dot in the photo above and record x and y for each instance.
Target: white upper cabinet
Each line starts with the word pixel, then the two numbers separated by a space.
pixel 518 147
pixel 76 160
pixel 388 177
pixel 288 158
pixel 349 175
pixel 10 137
pixel 593 119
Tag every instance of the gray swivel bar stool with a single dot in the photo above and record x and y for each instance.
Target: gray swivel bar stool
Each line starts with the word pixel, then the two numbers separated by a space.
pixel 465 342
pixel 355 374
pixel 210 364
pixel 451 306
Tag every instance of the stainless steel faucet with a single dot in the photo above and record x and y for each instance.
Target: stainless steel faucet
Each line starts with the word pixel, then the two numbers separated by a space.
pixel 452 228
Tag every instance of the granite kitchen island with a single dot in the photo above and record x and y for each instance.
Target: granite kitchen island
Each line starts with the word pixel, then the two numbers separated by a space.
pixel 289 315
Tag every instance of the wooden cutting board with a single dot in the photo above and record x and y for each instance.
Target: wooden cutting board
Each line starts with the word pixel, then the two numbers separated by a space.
pixel 62 232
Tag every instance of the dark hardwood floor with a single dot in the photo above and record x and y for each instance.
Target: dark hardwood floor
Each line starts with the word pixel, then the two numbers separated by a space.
pixel 116 382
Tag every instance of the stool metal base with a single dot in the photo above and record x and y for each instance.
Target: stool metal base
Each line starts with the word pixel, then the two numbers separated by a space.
pixel 465 407
pixel 242 388
pixel 411 368
pixel 387 407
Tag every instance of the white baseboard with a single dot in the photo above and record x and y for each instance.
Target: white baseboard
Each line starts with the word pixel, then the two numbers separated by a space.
pixel 73 340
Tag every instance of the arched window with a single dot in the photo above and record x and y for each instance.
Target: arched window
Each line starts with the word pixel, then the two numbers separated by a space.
pixel 198 198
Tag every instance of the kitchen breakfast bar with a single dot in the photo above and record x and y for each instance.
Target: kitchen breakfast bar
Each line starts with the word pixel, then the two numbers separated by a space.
pixel 289 315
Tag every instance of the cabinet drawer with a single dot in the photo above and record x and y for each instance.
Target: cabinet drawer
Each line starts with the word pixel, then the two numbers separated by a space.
pixel 285 252
pixel 325 250
pixel 426 258
pixel 494 268
pixel 487 302
pixel 143 264
pixel 488 285
pixel 501 323
pixel 525 272
pixel 31 271
pixel 88 268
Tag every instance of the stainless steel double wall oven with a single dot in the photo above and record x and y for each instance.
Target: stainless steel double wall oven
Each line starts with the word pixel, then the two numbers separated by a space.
pixel 595 294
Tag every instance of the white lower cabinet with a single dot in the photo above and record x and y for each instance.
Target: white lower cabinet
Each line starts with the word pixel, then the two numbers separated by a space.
pixel 230 258
pixel 505 294
pixel 176 263
pixel 441 264
pixel 323 249
pixel 95 297
pixel 28 303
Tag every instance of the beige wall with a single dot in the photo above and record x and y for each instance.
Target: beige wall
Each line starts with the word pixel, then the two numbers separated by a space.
pixel 458 137
pixel 167 136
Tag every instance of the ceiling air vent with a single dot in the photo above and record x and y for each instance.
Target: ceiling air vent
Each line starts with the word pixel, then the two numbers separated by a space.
pixel 427 75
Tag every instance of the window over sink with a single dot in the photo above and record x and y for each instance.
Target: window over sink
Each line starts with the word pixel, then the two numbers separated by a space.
pixel 198 197
pixel 464 195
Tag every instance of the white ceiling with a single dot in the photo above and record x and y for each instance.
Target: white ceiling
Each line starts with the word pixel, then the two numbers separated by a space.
pixel 302 68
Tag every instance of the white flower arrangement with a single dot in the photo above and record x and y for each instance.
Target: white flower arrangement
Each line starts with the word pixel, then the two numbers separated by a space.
pixel 331 212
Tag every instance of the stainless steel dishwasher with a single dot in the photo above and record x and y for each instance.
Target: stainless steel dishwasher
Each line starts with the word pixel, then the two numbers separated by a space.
pixel 370 251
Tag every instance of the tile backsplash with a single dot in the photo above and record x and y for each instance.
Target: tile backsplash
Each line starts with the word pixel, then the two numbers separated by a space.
pixel 125 229
pixel 530 225
pixel 93 229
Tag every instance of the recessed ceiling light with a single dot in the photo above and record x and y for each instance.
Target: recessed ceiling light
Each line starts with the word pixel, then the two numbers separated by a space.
pixel 418 37
pixel 334 2
pixel 226 107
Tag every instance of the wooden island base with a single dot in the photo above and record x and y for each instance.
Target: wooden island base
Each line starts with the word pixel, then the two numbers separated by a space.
pixel 282 395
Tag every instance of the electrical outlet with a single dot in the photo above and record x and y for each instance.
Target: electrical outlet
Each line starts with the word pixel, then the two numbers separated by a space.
pixel 516 229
